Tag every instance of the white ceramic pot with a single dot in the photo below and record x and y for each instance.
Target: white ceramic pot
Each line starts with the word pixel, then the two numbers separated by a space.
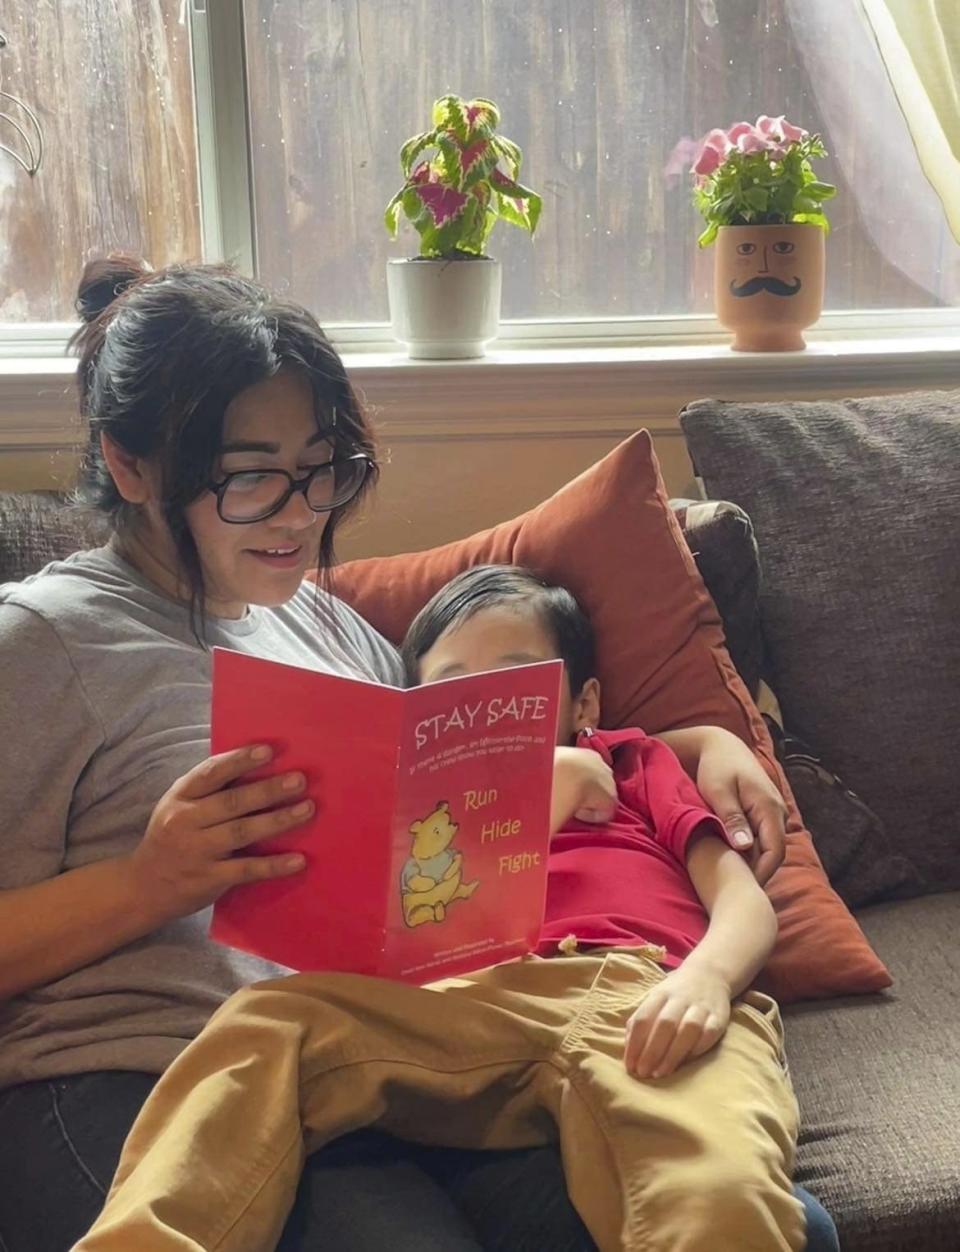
pixel 444 309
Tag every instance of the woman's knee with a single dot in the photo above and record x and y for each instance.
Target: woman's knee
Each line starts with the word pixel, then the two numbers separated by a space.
pixel 61 1143
pixel 723 1205
pixel 821 1231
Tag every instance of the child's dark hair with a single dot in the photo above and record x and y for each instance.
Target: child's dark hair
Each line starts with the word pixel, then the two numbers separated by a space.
pixel 487 586
pixel 162 354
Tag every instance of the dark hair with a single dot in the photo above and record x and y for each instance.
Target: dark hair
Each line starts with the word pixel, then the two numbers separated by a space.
pixel 486 586
pixel 162 354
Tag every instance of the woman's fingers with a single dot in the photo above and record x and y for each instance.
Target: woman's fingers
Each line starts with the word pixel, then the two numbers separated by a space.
pixel 754 818
pixel 216 772
pixel 738 830
pixel 771 841
pixel 247 869
pixel 239 832
pixel 233 802
pixel 186 855
pixel 238 816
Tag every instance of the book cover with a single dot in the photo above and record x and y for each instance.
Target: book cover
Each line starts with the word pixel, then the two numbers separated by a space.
pixel 427 854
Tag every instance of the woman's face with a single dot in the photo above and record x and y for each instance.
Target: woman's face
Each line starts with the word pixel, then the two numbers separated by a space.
pixel 271 425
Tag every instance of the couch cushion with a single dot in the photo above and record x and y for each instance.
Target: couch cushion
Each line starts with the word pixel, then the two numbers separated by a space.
pixel 856 509
pixel 36 528
pixel 878 1081
pixel 611 537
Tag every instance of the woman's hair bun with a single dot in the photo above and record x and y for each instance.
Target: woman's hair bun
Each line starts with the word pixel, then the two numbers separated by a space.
pixel 105 278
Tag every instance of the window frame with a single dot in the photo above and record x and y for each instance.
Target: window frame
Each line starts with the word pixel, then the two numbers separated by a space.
pixel 222 111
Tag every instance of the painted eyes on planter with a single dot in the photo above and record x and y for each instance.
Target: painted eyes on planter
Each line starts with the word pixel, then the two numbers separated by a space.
pixel 782 247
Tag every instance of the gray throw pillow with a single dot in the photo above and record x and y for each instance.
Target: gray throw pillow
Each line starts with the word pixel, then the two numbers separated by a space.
pixel 863 863
pixel 856 509
pixel 720 538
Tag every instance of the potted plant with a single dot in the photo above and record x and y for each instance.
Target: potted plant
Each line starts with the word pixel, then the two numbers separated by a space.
pixel 763 205
pixel 460 179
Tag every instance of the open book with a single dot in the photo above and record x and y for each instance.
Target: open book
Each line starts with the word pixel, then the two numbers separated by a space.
pixel 427 854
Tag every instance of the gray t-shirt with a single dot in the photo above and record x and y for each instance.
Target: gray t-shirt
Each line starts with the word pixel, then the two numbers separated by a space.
pixel 104 703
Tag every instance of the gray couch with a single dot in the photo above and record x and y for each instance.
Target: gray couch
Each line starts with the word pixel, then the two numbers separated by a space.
pixel 877 1076
pixel 855 507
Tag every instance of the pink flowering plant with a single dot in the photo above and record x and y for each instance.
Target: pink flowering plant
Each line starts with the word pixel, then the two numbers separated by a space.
pixel 460 180
pixel 758 175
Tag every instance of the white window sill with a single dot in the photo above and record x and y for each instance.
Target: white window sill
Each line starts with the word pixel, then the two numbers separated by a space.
pixel 714 356
pixel 534 389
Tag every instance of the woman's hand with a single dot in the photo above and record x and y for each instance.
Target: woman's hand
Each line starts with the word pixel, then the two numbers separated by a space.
pixel 733 783
pixel 583 787
pixel 681 1018
pixel 185 860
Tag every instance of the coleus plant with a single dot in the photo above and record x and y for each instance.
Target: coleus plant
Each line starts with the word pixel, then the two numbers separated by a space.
pixel 460 180
pixel 759 175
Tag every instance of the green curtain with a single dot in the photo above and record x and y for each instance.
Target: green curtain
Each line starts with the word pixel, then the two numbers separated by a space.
pixel 919 41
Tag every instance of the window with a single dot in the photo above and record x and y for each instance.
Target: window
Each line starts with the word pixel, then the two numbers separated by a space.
pixel 597 93
pixel 111 85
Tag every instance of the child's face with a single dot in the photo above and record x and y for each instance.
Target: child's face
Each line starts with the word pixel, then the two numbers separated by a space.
pixel 502 637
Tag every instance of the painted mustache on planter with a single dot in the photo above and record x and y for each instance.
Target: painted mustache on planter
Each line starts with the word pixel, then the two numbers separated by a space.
pixel 776 286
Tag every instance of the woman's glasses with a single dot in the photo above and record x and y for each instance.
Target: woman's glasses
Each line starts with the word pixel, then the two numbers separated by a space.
pixel 255 495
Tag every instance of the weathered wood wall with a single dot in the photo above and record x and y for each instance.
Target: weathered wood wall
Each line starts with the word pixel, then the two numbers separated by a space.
pixel 111 83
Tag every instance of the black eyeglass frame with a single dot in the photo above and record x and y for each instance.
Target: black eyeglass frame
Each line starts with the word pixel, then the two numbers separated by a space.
pixel 295 484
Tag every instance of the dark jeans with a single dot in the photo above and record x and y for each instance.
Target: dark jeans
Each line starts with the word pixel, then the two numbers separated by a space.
pixel 60 1142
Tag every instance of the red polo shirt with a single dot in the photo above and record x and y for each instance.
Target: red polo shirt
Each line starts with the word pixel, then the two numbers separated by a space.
pixel 626 882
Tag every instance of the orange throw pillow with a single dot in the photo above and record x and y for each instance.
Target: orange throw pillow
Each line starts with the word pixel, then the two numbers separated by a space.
pixel 611 537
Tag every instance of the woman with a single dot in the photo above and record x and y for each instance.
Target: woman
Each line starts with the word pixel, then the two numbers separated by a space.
pixel 226 448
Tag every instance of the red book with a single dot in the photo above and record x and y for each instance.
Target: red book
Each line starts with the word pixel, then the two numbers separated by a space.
pixel 427 855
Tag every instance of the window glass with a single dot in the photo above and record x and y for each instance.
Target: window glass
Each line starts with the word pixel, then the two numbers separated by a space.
pixel 598 93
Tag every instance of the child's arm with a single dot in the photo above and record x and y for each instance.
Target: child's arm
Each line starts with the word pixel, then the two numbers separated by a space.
pixel 686 1014
pixel 743 925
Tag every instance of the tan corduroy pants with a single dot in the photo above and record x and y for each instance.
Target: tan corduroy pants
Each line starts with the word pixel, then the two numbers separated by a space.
pixel 513 1056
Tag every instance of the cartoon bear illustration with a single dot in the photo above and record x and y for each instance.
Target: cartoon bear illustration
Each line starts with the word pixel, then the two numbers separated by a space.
pixel 433 876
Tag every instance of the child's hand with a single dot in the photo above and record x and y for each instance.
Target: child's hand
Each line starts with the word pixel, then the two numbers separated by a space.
pixel 583 787
pixel 681 1018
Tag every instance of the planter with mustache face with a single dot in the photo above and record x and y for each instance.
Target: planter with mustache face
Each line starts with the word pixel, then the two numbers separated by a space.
pixel 769 284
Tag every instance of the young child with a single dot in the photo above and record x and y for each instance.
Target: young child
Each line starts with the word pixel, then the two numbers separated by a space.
pixel 636 1044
